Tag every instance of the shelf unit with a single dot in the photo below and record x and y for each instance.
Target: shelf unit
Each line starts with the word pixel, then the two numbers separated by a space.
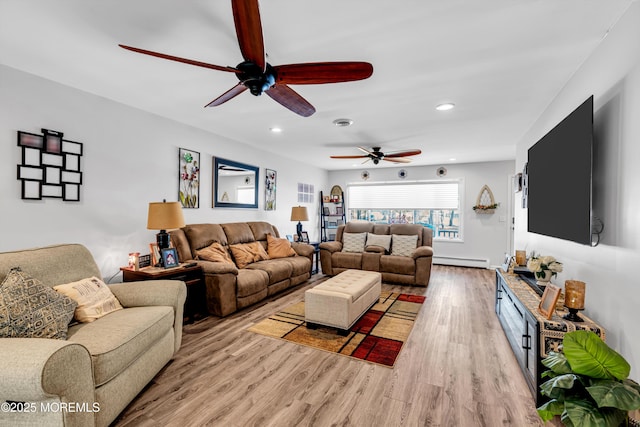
pixel 332 214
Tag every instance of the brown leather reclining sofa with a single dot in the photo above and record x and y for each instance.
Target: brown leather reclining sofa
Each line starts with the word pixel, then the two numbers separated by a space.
pixel 229 288
pixel 411 269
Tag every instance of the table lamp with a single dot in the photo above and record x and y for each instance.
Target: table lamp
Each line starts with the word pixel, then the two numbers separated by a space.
pixel 299 213
pixel 574 291
pixel 164 216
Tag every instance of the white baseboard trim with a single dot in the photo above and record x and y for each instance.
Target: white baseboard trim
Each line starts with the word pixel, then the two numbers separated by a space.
pixel 461 262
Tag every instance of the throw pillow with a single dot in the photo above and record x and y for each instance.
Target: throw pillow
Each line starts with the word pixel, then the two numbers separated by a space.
pixel 214 252
pixel 279 248
pixel 403 245
pixel 353 242
pixel 93 296
pixel 30 309
pixel 383 240
pixel 246 253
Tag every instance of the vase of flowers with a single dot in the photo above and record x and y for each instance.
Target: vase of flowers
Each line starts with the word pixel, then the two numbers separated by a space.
pixel 544 267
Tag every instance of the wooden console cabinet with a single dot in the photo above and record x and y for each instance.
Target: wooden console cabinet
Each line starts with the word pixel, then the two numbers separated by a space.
pixel 530 334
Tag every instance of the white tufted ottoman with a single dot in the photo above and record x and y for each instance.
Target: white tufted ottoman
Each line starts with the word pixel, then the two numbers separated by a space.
pixel 340 301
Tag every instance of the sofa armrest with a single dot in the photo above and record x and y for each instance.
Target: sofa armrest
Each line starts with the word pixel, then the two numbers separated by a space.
pixel 423 251
pixel 331 246
pixel 34 370
pixel 171 293
pixel 303 249
pixel 211 267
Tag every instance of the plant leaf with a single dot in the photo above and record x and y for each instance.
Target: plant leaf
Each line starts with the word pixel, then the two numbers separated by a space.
pixel 557 362
pixel 582 413
pixel 556 387
pixel 181 196
pixel 614 394
pixel 550 410
pixel 589 355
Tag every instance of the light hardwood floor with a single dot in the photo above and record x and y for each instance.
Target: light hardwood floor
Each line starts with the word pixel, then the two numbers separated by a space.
pixel 456 369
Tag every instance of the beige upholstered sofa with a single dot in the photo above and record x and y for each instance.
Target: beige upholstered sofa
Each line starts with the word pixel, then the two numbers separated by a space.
pixel 89 378
pixel 413 268
pixel 228 287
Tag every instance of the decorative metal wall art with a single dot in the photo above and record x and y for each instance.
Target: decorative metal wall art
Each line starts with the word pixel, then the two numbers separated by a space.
pixel 51 166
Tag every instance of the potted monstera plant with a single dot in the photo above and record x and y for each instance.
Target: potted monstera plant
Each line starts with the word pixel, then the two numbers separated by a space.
pixel 589 384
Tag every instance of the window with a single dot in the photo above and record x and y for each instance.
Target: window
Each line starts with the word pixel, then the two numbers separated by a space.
pixel 434 204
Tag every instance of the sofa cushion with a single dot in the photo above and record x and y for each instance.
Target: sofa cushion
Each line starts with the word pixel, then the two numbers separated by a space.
pixel 202 235
pixel 115 341
pixel 347 260
pixel 398 264
pixel 277 269
pixel 353 242
pixel 93 297
pixel 382 240
pixel 251 281
pixel 247 253
pixel 261 229
pixel 29 309
pixel 409 230
pixel 214 252
pixel 238 232
pixel 403 245
pixel 299 265
pixel 279 248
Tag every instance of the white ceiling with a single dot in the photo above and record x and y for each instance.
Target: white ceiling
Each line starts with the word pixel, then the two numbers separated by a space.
pixel 500 61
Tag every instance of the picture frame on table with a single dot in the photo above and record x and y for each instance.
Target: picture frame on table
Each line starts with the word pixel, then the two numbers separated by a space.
pixel 305 237
pixel 548 301
pixel 155 254
pixel 339 210
pixel 170 258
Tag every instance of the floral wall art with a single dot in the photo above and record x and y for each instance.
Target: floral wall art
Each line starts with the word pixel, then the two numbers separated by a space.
pixel 189 191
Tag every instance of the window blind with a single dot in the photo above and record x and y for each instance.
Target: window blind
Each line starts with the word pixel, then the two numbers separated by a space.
pixel 419 195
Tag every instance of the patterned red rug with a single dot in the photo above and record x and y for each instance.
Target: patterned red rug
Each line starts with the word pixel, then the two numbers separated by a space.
pixel 376 337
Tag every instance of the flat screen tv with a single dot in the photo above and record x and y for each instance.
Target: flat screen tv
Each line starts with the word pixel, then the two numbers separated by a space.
pixel 559 172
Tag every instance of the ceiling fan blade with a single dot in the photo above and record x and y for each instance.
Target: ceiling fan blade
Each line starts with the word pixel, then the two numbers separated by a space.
pixel 364 150
pixel 231 93
pixel 396 160
pixel 404 153
pixel 178 59
pixel 290 99
pixel 246 15
pixel 322 72
pixel 348 157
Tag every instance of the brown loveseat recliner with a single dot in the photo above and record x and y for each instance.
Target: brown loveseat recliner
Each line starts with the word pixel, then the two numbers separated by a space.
pixel 229 288
pixel 410 270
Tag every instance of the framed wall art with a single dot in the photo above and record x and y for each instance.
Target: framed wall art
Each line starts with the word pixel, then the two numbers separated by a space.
pixel 50 166
pixel 270 190
pixel 189 178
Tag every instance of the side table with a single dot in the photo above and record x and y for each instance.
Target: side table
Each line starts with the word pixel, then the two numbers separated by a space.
pixel 195 305
pixel 315 268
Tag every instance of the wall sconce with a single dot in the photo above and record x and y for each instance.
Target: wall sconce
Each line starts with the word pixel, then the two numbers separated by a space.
pixel 574 291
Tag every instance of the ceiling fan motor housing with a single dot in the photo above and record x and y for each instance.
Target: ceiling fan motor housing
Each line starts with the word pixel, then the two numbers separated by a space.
pixel 254 78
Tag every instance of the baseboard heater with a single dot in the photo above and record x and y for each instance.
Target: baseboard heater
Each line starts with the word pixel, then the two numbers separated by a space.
pixel 461 262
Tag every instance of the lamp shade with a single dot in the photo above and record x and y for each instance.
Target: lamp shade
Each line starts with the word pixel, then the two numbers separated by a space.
pixel 165 216
pixel 299 213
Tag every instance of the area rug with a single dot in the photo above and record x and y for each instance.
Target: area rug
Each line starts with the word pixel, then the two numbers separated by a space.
pixel 376 337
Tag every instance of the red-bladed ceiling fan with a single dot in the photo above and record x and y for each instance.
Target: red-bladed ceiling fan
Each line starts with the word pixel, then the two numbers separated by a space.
pixel 376 155
pixel 258 76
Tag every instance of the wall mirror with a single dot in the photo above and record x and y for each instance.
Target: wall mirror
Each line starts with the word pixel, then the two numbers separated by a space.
pixel 235 184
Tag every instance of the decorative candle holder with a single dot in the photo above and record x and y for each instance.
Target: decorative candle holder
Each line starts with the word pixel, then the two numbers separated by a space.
pixel 134 261
pixel 574 292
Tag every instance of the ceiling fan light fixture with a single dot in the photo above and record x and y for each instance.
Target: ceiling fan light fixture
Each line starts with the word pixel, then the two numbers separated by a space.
pixel 343 122
pixel 445 106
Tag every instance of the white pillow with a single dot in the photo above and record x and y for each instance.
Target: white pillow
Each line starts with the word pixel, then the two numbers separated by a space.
pixel 383 240
pixel 93 296
pixel 353 242
pixel 403 245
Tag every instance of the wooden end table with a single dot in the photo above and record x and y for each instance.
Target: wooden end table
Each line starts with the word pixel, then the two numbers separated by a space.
pixel 195 305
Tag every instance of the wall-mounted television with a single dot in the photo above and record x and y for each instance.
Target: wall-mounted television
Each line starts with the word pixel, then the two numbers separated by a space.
pixel 559 178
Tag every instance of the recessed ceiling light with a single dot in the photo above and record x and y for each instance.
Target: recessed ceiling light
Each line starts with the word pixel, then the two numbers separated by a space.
pixel 275 130
pixel 343 122
pixel 452 159
pixel 446 106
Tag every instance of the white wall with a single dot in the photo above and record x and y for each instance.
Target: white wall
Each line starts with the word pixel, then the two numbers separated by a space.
pixel 612 75
pixel 130 159
pixel 485 236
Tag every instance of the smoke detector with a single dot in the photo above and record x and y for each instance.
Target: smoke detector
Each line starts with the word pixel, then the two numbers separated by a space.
pixel 343 122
